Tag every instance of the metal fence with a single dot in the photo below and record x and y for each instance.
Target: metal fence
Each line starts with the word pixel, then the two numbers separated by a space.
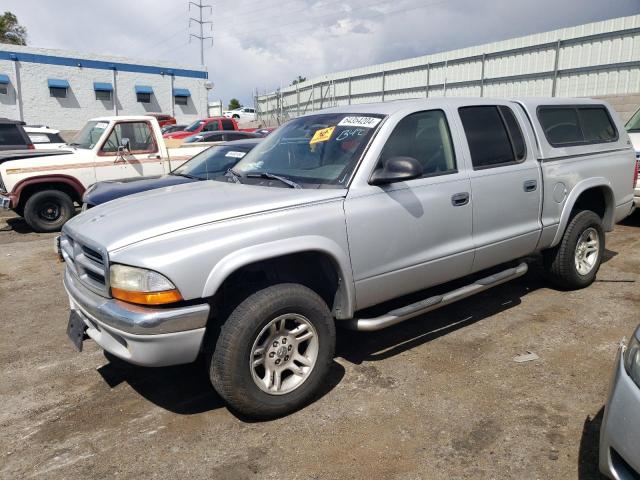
pixel 601 58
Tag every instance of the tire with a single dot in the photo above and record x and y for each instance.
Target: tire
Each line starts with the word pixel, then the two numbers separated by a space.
pixel 560 261
pixel 48 210
pixel 247 328
pixel 236 116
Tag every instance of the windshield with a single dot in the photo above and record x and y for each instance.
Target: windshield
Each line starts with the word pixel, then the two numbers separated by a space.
pixel 193 139
pixel 194 126
pixel 89 135
pixel 213 162
pixel 633 125
pixel 314 150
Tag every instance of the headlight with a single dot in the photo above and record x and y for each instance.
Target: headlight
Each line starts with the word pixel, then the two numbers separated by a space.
pixel 138 285
pixel 632 360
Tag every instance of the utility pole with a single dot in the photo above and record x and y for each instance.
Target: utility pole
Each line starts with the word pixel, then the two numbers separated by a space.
pixel 201 23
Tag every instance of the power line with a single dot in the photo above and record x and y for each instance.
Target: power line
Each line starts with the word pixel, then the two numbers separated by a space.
pixel 201 23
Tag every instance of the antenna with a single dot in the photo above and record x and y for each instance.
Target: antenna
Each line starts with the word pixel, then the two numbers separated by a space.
pixel 201 23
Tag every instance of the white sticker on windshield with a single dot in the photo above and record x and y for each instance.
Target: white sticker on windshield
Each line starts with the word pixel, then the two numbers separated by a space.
pixel 367 122
pixel 101 125
pixel 235 154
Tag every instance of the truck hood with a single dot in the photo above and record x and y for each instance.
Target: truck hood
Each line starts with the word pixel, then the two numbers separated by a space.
pixel 106 191
pixel 141 216
pixel 7 155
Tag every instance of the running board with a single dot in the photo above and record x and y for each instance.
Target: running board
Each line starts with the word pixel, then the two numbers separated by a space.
pixel 405 313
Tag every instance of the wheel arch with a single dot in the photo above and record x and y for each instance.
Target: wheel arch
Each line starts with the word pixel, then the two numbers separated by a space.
pixel 26 187
pixel 593 194
pixel 298 248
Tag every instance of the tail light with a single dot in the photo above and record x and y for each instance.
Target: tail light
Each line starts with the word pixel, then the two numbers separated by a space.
pixel 635 173
pixel 31 146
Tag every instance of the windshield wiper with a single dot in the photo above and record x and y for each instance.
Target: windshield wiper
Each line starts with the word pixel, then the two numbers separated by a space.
pixel 234 175
pixel 186 175
pixel 272 176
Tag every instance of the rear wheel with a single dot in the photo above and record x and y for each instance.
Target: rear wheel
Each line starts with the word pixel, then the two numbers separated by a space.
pixel 48 210
pixel 574 263
pixel 274 351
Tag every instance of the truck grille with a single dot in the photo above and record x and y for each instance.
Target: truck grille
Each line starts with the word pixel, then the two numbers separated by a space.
pixel 87 264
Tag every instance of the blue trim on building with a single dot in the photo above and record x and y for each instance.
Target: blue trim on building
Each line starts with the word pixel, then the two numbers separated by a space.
pixel 102 87
pixel 4 79
pixel 144 89
pixel 57 83
pixel 99 64
pixel 181 92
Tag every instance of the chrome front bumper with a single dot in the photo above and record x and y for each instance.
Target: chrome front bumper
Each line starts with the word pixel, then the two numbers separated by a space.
pixel 620 429
pixel 140 335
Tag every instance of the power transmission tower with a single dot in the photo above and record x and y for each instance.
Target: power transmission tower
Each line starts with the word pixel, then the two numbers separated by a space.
pixel 201 23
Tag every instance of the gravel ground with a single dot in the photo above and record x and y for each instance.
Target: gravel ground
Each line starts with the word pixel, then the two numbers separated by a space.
pixel 436 397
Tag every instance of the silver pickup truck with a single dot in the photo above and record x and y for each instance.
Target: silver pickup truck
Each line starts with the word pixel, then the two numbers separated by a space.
pixel 334 213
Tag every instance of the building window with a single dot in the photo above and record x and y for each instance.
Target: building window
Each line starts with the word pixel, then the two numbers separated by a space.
pixel 3 89
pixel 57 92
pixel 103 95
pixel 143 97
pixel 181 100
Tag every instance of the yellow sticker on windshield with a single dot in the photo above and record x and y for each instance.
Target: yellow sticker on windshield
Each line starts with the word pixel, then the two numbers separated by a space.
pixel 322 135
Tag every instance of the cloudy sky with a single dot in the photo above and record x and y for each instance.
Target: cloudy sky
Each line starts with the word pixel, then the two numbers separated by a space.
pixel 265 43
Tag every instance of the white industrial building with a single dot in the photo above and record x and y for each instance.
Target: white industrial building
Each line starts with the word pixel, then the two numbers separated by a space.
pixel 63 89
pixel 594 59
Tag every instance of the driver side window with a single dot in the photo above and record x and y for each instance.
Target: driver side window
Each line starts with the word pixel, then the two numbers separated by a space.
pixel 211 126
pixel 424 136
pixel 139 135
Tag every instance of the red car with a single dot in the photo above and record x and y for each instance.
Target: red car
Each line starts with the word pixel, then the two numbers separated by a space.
pixel 163 119
pixel 205 125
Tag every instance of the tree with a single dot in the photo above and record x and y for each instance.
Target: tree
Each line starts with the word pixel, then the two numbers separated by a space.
pixel 234 104
pixel 11 31
pixel 300 79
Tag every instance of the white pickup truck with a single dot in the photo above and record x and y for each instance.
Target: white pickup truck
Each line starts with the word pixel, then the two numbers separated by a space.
pixel 43 186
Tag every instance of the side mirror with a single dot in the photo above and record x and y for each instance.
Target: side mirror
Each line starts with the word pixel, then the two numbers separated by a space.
pixel 124 145
pixel 396 169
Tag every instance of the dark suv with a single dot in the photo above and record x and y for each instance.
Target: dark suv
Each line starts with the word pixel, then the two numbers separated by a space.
pixel 13 136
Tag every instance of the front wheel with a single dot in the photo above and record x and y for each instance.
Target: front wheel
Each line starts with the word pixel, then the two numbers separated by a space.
pixel 274 351
pixel 574 263
pixel 48 210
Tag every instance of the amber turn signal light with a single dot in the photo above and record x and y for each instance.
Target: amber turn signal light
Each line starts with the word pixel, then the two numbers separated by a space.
pixel 147 298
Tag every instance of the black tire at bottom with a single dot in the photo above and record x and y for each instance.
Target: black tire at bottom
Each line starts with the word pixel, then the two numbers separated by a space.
pixel 228 363
pixel 559 262
pixel 39 201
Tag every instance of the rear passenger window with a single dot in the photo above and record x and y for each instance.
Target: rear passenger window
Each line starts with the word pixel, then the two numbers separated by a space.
pixel 493 135
pixel 227 124
pixel 424 136
pixel 567 126
pixel 515 133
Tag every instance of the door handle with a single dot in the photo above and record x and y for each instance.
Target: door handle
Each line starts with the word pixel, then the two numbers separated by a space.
pixel 460 199
pixel 530 185
pixel 154 155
